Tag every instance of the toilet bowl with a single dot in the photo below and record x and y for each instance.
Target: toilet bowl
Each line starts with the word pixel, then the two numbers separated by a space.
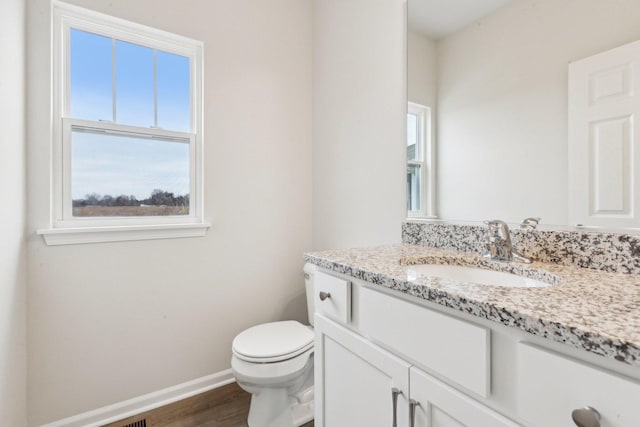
pixel 274 362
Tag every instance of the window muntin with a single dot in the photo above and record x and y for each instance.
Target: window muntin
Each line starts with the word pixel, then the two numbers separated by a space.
pixel 140 87
pixel 420 171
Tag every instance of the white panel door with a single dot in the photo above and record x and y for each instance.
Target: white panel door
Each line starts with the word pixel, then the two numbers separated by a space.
pixel 440 405
pixel 355 380
pixel 604 149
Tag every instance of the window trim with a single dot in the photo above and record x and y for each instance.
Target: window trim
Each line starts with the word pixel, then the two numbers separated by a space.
pixel 65 17
pixel 426 161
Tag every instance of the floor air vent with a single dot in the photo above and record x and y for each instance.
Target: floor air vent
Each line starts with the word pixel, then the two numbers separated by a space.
pixel 141 423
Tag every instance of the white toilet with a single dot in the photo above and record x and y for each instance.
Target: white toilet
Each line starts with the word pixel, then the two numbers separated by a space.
pixel 274 362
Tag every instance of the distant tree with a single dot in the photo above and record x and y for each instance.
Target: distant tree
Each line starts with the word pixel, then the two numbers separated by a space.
pixel 122 200
pixel 161 197
pixel 93 199
pixel 181 200
pixel 158 197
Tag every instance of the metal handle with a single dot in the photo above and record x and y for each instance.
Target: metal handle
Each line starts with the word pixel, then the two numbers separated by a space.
pixel 395 392
pixel 412 412
pixel 586 417
pixel 529 223
pixel 324 295
pixel 498 228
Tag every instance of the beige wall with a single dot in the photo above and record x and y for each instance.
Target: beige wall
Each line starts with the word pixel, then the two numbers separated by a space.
pixel 502 100
pixel 359 105
pixel 421 70
pixel 13 392
pixel 108 322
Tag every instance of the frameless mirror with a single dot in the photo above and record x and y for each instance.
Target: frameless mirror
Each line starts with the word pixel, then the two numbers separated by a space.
pixel 493 75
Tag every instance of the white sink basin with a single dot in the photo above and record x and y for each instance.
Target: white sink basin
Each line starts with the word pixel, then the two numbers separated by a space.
pixel 474 275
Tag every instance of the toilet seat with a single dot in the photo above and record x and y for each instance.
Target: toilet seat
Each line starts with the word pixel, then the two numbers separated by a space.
pixel 269 374
pixel 273 342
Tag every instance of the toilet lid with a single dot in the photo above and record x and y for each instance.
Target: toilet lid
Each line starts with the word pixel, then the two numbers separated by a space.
pixel 272 342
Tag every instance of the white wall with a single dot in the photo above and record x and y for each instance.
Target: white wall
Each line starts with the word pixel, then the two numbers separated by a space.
pixel 421 70
pixel 13 375
pixel 502 99
pixel 359 122
pixel 108 322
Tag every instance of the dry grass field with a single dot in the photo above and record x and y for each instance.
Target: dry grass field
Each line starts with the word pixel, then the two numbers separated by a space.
pixel 84 211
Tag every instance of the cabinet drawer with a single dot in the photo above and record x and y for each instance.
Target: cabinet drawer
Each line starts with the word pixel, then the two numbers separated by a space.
pixel 551 386
pixel 442 344
pixel 336 304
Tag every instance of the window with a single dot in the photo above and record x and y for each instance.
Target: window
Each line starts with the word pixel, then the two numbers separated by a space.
pixel 127 127
pixel 420 170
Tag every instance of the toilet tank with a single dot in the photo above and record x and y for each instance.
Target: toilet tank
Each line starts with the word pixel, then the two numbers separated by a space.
pixel 309 274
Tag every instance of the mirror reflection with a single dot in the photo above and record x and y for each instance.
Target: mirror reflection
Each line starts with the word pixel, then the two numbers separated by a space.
pixel 498 129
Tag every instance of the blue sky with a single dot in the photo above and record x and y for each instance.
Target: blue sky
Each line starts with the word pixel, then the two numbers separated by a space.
pixel 115 165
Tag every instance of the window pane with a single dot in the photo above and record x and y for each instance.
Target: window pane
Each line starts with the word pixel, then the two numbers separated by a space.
pixel 113 175
pixel 412 137
pixel 134 85
pixel 91 89
pixel 174 107
pixel 413 187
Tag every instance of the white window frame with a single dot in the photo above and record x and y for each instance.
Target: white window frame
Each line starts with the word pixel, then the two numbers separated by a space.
pixel 66 229
pixel 425 158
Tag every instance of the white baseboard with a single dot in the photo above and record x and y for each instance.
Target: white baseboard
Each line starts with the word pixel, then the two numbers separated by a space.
pixel 146 402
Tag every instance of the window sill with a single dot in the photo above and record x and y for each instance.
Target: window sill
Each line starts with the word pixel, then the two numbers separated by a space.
pixel 423 218
pixel 75 236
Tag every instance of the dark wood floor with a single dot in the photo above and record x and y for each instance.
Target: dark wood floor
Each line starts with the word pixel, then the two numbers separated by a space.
pixel 226 406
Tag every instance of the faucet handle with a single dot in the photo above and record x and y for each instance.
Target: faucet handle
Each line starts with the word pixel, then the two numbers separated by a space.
pixel 529 223
pixel 498 228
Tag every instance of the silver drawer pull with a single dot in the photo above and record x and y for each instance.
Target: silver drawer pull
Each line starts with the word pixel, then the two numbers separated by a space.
pixel 395 392
pixel 412 412
pixel 324 295
pixel 586 417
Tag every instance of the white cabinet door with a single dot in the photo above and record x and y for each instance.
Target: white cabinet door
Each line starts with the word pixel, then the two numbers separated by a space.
pixel 604 148
pixel 355 380
pixel 440 405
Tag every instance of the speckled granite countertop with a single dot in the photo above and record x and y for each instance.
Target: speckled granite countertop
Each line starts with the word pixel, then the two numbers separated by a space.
pixel 588 309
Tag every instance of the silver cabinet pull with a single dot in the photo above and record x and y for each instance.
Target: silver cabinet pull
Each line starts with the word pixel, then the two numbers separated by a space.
pixel 324 295
pixel 412 412
pixel 586 417
pixel 395 392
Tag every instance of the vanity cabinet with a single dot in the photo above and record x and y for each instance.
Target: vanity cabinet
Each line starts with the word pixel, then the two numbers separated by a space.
pixel 361 384
pixel 385 359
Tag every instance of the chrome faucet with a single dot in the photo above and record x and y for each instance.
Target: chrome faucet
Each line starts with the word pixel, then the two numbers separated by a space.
pixel 499 246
